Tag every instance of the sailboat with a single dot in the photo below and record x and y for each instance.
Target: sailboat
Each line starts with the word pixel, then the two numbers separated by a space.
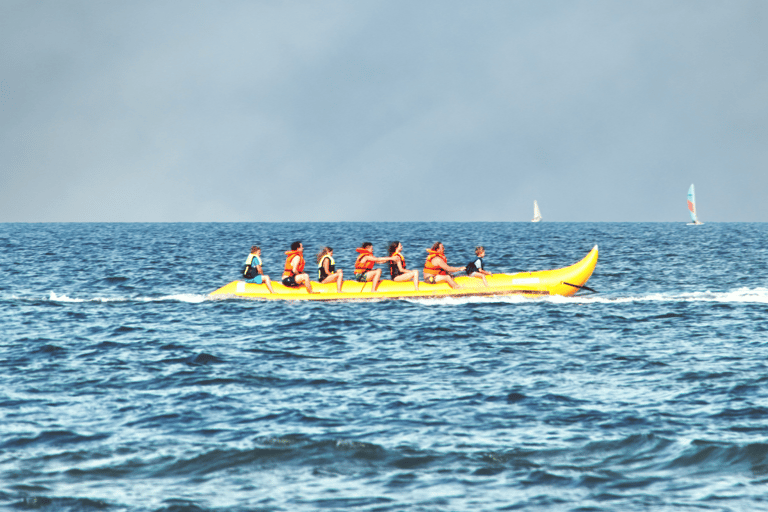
pixel 692 207
pixel 536 212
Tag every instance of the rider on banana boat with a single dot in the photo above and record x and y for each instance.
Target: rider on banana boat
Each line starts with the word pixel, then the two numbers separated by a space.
pixel 294 275
pixel 326 268
pixel 475 267
pixel 436 268
pixel 252 270
pixel 364 270
pixel 397 266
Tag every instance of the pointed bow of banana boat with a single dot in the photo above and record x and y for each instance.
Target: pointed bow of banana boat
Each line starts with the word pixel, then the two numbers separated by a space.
pixel 569 280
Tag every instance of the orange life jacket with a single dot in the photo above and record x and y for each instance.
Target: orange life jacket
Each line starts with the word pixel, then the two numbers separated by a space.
pixel 288 267
pixel 368 265
pixel 430 268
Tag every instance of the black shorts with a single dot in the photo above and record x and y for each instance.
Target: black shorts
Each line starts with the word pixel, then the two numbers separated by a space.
pixel 291 282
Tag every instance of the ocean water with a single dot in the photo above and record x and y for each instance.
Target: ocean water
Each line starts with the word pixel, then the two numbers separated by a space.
pixel 123 387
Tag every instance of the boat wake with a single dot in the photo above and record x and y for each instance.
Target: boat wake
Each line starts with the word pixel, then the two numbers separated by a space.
pixel 63 298
pixel 738 296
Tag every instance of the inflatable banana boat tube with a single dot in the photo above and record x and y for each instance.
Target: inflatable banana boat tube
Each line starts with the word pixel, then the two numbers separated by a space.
pixel 562 281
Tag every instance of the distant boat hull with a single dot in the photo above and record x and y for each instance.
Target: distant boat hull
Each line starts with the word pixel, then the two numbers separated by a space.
pixel 563 281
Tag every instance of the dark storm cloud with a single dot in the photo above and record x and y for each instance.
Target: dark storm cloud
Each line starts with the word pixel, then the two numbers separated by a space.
pixel 177 111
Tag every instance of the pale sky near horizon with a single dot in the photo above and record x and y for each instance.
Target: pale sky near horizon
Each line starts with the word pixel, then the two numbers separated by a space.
pixel 388 110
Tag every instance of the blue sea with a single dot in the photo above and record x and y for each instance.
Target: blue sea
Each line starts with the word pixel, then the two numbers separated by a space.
pixel 124 387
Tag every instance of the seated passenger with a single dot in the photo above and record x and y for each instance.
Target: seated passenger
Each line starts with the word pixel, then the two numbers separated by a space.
pixel 326 268
pixel 397 266
pixel 475 268
pixel 436 268
pixel 364 270
pixel 252 270
pixel 294 275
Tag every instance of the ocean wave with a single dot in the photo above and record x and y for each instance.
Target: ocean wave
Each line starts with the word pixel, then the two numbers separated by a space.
pixel 710 457
pixel 619 466
pixel 655 454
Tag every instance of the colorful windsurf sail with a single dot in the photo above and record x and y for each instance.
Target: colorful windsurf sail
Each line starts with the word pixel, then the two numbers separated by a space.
pixel 692 205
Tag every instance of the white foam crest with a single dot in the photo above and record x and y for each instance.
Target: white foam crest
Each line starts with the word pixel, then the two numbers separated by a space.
pixel 53 297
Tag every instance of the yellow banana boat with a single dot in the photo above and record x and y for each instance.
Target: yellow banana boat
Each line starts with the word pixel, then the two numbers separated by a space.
pixel 561 281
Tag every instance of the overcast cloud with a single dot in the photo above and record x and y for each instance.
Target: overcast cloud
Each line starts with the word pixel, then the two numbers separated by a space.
pixel 383 110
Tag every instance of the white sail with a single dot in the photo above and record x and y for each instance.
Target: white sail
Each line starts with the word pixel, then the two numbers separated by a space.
pixel 536 212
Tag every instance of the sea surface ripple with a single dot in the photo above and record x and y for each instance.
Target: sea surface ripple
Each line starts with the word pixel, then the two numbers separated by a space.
pixel 124 387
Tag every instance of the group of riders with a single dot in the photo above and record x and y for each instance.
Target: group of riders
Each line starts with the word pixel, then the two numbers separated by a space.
pixel 436 268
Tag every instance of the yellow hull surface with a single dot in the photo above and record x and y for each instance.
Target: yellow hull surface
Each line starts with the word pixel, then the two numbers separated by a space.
pixel 561 281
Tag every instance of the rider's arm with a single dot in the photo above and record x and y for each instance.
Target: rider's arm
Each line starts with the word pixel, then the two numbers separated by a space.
pixel 444 265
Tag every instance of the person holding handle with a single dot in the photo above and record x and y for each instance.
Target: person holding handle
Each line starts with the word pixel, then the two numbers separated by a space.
pixel 364 270
pixel 436 268
pixel 476 267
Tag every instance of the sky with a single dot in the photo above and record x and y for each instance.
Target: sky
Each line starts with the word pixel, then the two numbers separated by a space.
pixel 393 110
